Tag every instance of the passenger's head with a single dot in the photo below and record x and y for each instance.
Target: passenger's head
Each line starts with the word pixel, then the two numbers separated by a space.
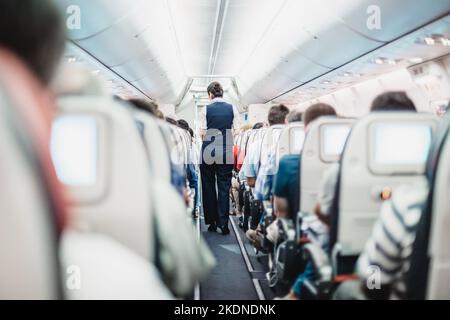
pixel 277 114
pixel 393 101
pixel 258 125
pixel 215 90
pixel 172 121
pixel 34 31
pixel 160 114
pixel 294 116
pixel 183 124
pixel 191 132
pixel 150 107
pixel 316 111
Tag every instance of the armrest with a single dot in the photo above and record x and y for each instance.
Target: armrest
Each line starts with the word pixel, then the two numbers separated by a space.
pixel 321 262
pixel 268 207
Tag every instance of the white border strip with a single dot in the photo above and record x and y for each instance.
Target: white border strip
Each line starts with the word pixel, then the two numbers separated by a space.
pixel 255 282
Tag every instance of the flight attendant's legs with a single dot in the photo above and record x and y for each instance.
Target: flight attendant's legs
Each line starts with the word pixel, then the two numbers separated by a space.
pixel 209 195
pixel 224 175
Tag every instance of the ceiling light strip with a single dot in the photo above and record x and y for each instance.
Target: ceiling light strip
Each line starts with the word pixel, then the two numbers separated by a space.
pixel 222 8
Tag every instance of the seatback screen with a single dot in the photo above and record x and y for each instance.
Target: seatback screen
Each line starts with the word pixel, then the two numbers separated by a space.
pixel 297 139
pixel 74 150
pixel 401 144
pixel 333 140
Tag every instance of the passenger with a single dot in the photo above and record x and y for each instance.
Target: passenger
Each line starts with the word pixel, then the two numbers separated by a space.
pixel 264 181
pixel 191 168
pixel 389 101
pixel 183 124
pixel 286 199
pixel 294 116
pixel 159 114
pixel 250 167
pixel 172 121
pixel 217 125
pixel 147 106
pixel 235 182
pixel 286 190
pixel 34 31
pixel 390 244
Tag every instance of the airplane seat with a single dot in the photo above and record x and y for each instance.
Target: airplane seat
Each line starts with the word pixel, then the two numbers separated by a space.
pixel 156 147
pixel 428 277
pixel 269 142
pixel 322 147
pixel 382 152
pixel 291 140
pixel 30 229
pixel 99 156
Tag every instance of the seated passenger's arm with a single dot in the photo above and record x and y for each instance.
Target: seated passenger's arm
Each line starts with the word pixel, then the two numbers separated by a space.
pixel 251 181
pixel 380 259
pixel 281 207
pixel 325 219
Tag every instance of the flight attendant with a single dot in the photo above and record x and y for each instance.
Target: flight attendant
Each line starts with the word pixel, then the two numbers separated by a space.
pixel 217 124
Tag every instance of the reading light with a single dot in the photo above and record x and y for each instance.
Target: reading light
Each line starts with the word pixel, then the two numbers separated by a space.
pixel 71 59
pixel 416 60
pixel 96 72
pixel 435 39
pixel 381 60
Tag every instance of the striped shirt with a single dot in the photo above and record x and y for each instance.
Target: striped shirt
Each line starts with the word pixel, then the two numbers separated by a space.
pixel 390 245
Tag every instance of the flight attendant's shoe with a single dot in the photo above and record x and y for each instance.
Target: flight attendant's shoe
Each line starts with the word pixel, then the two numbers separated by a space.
pixel 224 230
pixel 212 228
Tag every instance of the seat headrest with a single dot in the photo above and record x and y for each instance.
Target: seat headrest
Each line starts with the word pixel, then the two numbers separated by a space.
pixel 34 107
pixel 76 80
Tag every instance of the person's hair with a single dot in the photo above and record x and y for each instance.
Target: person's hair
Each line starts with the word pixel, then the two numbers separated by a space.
pixel 172 121
pixel 317 110
pixel 258 125
pixel 160 114
pixel 191 132
pixel 183 124
pixel 393 101
pixel 143 105
pixel 277 114
pixel 294 116
pixel 34 31
pixel 215 88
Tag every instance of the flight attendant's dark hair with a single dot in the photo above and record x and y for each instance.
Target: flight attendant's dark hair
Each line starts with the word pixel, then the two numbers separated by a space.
pixel 215 88
pixel 34 31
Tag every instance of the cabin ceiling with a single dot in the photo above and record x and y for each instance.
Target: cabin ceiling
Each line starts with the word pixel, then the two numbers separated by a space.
pixel 263 48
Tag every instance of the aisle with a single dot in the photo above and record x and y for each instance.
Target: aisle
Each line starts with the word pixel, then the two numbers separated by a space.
pixel 237 276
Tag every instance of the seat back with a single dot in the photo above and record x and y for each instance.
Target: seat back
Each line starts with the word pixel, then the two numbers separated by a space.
pixel 32 207
pixel 100 157
pixel 384 150
pixel 323 146
pixel 156 147
pixel 291 140
pixel 429 271
pixel 269 142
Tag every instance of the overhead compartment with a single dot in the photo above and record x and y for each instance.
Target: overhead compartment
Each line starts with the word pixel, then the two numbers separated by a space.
pixel 396 17
pixel 93 16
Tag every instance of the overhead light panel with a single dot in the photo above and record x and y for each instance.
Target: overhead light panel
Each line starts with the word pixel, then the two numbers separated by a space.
pixel 387 61
pixel 415 60
pixel 435 40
